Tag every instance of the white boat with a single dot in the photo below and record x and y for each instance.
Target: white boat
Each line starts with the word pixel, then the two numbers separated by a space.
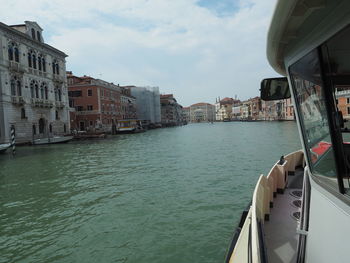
pixel 4 147
pixel 52 140
pixel 300 211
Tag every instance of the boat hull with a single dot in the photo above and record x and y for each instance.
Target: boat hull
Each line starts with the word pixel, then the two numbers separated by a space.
pixel 53 140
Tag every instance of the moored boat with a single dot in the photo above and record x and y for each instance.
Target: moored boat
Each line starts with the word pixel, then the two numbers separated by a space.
pixel 53 140
pixel 4 147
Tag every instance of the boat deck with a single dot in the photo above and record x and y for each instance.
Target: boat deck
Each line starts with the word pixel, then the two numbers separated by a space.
pixel 281 238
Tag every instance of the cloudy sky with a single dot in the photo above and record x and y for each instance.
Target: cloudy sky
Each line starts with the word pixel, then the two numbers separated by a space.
pixel 196 49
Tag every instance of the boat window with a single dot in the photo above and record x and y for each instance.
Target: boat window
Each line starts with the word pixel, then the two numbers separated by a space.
pixel 337 57
pixel 310 99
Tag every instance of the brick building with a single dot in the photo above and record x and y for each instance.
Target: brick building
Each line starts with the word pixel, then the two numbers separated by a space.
pixel 97 105
pixel 33 97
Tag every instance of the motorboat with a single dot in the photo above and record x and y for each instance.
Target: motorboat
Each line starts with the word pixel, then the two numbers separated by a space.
pixel 300 211
pixel 53 140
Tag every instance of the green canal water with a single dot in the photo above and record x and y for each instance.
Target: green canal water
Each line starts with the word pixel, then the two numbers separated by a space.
pixel 168 195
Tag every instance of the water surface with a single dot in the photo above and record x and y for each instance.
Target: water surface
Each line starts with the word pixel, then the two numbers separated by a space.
pixel 167 195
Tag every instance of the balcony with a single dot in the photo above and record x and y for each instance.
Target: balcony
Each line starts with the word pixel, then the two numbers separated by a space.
pixel 37 102
pixel 16 66
pixel 47 104
pixel 18 100
pixel 58 78
pixel 59 104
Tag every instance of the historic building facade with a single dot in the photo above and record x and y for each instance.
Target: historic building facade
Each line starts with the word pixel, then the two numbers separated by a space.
pixel 171 111
pixel 202 112
pixel 33 85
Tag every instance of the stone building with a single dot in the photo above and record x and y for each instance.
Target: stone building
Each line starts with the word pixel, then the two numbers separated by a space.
pixel 147 105
pixel 33 85
pixel 186 113
pixel 202 112
pixel 171 111
pixel 97 105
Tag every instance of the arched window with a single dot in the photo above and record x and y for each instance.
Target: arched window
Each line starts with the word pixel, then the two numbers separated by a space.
pixel 42 91
pixel 33 33
pixel 36 90
pixel 16 54
pixel 34 61
pixel 57 115
pixel 50 128
pixel 59 95
pixel 29 59
pixel 13 87
pixel 23 113
pixel 38 36
pixel 57 69
pixel 44 64
pixel 34 129
pixel 41 125
pixel 56 96
pixel 46 92
pixel 10 52
pixel 32 88
pixel 19 88
pixel 39 62
pixel 64 128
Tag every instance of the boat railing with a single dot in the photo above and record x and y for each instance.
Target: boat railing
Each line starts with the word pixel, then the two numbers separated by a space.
pixel 251 237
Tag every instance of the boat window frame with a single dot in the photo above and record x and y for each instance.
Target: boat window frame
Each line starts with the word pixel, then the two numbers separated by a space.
pixel 327 86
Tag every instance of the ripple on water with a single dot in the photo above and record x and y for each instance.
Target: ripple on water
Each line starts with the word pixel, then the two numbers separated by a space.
pixel 168 195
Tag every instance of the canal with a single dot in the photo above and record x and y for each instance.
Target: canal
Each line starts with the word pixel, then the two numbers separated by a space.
pixel 167 195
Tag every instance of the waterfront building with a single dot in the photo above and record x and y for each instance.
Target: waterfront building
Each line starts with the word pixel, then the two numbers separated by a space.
pixel 33 97
pixel 245 110
pixel 255 108
pixel 147 105
pixel 171 111
pixel 202 112
pixel 186 113
pixel 224 109
pixel 96 105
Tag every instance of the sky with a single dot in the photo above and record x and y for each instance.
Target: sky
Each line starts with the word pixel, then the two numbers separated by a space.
pixel 198 50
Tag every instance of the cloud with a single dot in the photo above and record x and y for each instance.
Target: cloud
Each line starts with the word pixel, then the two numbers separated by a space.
pixel 194 49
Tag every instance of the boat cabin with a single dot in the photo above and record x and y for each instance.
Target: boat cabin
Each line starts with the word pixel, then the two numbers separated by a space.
pixel 309 44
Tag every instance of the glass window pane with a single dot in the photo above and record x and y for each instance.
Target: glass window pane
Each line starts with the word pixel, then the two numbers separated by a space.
pixel 309 95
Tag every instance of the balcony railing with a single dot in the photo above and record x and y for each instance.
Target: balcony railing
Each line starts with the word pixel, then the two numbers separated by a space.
pixel 16 66
pixel 17 100
pixel 59 104
pixel 58 78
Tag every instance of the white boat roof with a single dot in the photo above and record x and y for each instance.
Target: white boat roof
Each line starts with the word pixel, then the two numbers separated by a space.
pixel 302 25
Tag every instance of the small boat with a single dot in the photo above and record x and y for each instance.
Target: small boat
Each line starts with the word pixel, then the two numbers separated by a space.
pixel 4 147
pixel 52 140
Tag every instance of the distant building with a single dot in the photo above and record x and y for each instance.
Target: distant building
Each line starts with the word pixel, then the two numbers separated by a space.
pixel 171 111
pixel 255 108
pixel 202 112
pixel 147 104
pixel 224 109
pixel 186 113
pixel 33 97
